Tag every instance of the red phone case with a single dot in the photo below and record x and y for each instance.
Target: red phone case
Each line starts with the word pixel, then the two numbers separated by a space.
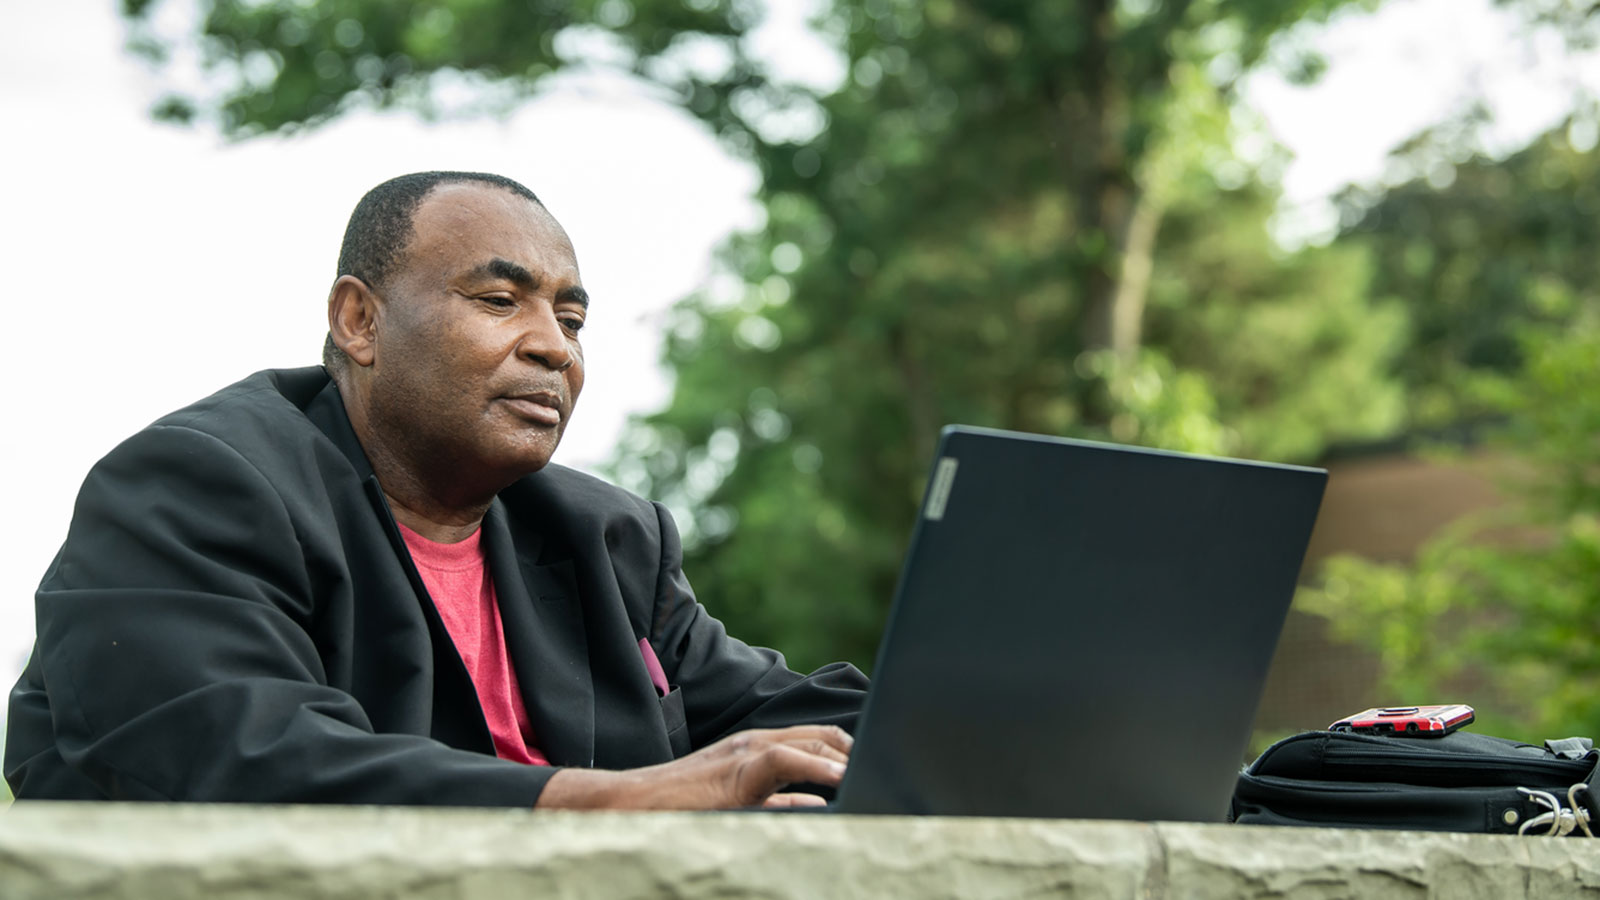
pixel 1408 721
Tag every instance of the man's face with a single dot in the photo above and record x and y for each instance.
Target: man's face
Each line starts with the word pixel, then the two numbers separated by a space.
pixel 476 362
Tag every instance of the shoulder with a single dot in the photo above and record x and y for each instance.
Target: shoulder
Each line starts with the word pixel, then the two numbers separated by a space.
pixel 585 513
pixel 257 409
pixel 199 486
pixel 579 494
pixel 254 431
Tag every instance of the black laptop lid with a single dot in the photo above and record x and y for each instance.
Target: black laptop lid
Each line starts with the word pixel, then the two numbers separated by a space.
pixel 1080 630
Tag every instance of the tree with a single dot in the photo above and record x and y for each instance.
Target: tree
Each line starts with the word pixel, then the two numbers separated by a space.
pixel 928 258
pixel 1502 608
pixel 282 64
pixel 1478 249
pixel 1025 215
pixel 1497 261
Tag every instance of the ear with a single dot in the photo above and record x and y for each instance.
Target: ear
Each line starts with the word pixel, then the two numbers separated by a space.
pixel 353 319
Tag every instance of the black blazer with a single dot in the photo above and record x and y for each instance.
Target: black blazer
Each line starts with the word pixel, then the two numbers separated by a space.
pixel 233 617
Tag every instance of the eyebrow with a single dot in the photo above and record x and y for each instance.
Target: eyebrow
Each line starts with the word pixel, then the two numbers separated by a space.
pixel 521 277
pixel 507 270
pixel 573 294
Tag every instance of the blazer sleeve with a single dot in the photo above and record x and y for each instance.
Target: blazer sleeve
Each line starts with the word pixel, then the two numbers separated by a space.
pixel 174 646
pixel 727 685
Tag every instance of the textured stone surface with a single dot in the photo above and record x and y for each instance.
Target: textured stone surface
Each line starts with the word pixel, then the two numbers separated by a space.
pixel 62 851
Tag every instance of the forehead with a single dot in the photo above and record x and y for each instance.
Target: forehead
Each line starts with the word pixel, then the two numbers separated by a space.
pixel 462 225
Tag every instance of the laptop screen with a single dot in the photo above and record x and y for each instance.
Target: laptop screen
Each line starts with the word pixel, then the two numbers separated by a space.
pixel 1080 630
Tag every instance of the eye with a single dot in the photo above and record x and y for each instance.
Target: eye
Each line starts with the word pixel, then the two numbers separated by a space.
pixel 498 300
pixel 571 322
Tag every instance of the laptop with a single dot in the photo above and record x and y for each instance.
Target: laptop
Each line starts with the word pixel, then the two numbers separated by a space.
pixel 1080 630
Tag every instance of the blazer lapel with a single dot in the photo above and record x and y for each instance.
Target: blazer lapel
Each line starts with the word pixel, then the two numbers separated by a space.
pixel 547 640
pixel 456 717
pixel 539 608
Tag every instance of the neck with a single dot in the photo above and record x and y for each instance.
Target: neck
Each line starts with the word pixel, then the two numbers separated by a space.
pixel 444 526
pixel 418 484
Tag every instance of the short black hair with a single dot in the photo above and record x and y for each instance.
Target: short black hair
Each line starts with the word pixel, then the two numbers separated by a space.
pixel 381 226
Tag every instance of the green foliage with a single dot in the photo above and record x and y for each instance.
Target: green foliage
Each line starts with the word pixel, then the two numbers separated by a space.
pixel 1504 606
pixel 1475 250
pixel 1578 21
pixel 1022 215
pixel 1032 215
pixel 281 64
pixel 1494 261
pixel 1291 346
pixel 949 249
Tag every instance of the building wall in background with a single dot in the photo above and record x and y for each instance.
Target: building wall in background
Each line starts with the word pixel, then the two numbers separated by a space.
pixel 1382 506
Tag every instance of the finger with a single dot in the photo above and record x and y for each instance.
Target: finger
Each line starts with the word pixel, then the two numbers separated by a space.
pixel 832 735
pixel 826 751
pixel 782 765
pixel 782 801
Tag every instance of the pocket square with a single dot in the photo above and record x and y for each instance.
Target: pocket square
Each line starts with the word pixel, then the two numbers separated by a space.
pixel 658 676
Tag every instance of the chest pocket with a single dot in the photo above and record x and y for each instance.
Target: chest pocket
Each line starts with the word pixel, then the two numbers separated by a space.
pixel 677 724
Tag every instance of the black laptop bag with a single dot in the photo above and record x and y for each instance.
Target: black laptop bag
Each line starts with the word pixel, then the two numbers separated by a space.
pixel 1459 782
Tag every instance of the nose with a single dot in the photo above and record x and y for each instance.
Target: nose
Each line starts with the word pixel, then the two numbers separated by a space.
pixel 547 343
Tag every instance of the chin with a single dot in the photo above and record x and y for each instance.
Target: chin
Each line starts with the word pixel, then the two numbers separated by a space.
pixel 527 457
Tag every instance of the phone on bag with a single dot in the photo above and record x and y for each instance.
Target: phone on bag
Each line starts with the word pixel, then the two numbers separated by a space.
pixel 1407 721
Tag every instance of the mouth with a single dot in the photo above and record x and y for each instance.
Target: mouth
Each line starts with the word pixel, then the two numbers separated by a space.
pixel 539 407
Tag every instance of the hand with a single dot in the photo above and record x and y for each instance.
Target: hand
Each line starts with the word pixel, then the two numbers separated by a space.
pixel 745 769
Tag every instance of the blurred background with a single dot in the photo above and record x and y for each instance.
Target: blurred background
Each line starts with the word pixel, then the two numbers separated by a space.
pixel 1352 233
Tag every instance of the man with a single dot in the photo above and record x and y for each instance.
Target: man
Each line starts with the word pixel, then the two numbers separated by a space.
pixel 364 584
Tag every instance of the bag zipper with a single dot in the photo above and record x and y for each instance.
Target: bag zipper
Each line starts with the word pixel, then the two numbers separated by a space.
pixel 1374 761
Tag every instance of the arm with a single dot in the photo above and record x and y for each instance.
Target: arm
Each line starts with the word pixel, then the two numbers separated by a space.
pixel 729 686
pixel 747 769
pixel 759 726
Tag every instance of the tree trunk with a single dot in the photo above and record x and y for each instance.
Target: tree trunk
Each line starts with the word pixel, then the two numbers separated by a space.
pixel 1099 162
pixel 1138 259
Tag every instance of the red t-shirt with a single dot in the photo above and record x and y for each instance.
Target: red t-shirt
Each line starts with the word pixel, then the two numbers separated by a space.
pixel 457 577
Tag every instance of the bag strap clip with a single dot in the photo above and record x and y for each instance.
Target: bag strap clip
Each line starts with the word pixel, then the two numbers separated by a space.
pixel 1563 820
pixel 1580 812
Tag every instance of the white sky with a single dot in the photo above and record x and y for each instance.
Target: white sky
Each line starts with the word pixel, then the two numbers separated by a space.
pixel 150 266
pixel 1414 63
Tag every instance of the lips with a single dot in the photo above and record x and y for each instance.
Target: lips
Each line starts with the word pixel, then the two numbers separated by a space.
pixel 541 407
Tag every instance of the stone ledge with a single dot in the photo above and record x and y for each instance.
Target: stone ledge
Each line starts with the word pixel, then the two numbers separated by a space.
pixel 64 851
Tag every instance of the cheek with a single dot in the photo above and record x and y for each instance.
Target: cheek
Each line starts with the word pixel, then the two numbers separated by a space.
pixel 463 359
pixel 575 374
pixel 438 378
